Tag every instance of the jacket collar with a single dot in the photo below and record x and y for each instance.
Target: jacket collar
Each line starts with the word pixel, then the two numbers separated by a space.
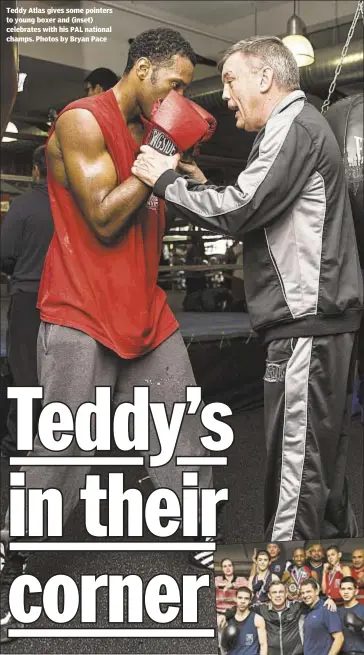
pixel 292 97
pixel 317 605
pixel 286 607
pixel 287 101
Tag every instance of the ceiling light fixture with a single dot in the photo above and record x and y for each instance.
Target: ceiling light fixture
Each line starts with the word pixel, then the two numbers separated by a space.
pixel 297 42
pixel 21 80
pixel 11 127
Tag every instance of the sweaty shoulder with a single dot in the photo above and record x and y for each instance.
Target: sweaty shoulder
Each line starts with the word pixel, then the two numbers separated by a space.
pixel 79 127
pixel 77 133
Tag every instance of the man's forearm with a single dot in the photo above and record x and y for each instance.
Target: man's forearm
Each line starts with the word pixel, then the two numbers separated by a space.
pixel 337 645
pixel 112 214
pixel 264 649
pixel 263 192
pixel 263 644
pixel 323 583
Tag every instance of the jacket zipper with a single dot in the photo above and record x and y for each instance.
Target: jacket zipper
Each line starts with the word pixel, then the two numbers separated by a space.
pixel 280 634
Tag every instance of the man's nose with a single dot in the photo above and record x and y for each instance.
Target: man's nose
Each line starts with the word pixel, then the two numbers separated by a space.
pixel 230 103
pixel 226 93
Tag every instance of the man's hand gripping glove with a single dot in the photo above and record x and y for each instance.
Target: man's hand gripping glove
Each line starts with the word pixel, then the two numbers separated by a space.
pixel 177 124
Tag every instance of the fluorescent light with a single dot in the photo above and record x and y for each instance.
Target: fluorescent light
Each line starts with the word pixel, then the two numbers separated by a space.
pixel 10 128
pixel 21 80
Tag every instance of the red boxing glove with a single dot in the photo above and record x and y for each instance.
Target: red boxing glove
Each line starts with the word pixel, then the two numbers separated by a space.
pixel 177 124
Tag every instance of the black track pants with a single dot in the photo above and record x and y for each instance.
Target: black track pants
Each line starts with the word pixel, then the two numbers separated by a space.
pixel 307 384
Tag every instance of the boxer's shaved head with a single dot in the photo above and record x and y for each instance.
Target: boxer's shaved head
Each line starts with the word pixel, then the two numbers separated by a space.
pixel 299 556
pixel 316 552
pixel 160 46
pixel 358 558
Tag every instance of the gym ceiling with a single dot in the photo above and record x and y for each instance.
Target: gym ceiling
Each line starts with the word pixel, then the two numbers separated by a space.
pixel 55 72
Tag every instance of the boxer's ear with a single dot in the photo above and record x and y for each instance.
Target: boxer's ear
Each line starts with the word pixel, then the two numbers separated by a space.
pixel 143 68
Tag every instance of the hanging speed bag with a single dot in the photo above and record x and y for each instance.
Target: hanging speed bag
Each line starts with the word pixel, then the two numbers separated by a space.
pixel 346 121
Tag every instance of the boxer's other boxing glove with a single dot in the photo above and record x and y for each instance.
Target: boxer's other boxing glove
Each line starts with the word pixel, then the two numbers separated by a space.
pixel 354 622
pixel 177 124
pixel 188 155
pixel 210 120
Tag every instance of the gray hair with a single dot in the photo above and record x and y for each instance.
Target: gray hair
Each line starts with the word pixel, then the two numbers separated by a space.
pixel 271 51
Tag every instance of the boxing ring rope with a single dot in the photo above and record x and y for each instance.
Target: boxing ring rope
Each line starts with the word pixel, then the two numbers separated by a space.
pixel 224 332
pixel 200 267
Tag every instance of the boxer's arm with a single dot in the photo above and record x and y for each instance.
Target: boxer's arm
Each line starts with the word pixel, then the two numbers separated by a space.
pixel 256 607
pixel 323 582
pixel 262 634
pixel 191 170
pixel 264 190
pixel 330 604
pixel 338 643
pixel 92 178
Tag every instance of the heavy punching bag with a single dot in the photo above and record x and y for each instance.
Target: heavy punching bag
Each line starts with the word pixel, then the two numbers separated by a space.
pixel 9 67
pixel 346 121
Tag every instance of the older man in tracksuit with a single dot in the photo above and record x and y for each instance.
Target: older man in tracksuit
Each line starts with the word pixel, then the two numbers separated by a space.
pixel 283 620
pixel 303 282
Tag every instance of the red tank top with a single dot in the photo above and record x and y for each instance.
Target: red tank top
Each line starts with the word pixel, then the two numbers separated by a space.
pixel 110 293
pixel 333 580
pixel 358 575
